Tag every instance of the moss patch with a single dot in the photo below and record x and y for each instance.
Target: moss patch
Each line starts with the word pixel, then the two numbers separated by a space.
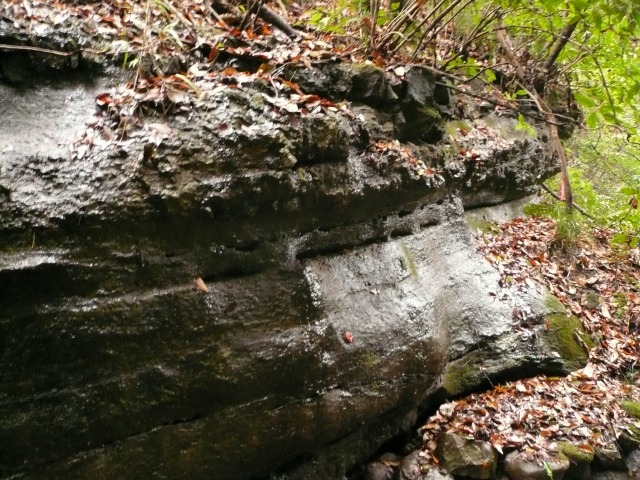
pixel 476 222
pixel 629 440
pixel 632 408
pixel 553 304
pixel 563 333
pixel 561 337
pixel 409 264
pixel 574 453
pixel 371 360
pixel 460 375
pixel 455 127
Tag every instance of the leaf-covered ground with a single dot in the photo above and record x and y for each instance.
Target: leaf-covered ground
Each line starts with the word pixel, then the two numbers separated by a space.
pixel 600 285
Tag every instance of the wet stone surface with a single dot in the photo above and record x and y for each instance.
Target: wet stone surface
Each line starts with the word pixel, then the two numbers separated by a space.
pixel 117 365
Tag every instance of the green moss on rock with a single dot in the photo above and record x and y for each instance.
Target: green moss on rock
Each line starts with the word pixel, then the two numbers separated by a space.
pixel 632 408
pixel 629 440
pixel 553 304
pixel 561 338
pixel 475 222
pixel 409 264
pixel 461 375
pixel 575 454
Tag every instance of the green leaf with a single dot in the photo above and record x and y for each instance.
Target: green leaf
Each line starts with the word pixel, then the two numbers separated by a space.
pixel 620 238
pixel 592 120
pixel 489 76
pixel 523 125
pixel 584 100
pixel 633 91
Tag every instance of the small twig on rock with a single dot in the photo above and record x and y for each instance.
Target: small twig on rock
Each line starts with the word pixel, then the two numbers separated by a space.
pixel 59 53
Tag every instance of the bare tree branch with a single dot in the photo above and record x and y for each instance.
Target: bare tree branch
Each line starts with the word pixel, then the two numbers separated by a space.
pixel 559 45
pixel 505 42
pixel 557 197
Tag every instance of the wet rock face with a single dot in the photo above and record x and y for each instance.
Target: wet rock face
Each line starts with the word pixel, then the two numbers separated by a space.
pixel 517 467
pixel 467 458
pixel 342 286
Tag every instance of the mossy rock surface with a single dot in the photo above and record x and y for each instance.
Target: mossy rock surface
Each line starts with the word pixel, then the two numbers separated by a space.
pixel 460 377
pixel 554 305
pixel 632 408
pixel 480 224
pixel 574 453
pixel 562 335
pixel 580 460
pixel 629 440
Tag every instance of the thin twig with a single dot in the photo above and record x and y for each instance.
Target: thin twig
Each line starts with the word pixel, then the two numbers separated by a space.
pixel 59 53
pixel 560 44
pixel 424 20
pixel 577 207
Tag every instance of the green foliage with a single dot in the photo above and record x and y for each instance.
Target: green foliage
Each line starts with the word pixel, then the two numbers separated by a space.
pixel 606 181
pixel 567 228
pixel 337 18
pixel 523 125
pixel 601 58
pixel 584 51
pixel 329 21
pixel 385 15
pixel 568 225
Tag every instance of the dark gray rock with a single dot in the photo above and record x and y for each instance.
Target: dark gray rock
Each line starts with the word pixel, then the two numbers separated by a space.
pixel 633 463
pixel 412 467
pixel 518 467
pixel 370 86
pixel 609 459
pixel 435 474
pixel 629 441
pixel 416 467
pixel 467 458
pixel 420 113
pixel 116 365
pixel 611 475
pixel 378 471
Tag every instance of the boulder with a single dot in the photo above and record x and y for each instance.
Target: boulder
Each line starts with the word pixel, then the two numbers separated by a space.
pixel 609 458
pixel 610 475
pixel 378 471
pixel 633 463
pixel 412 467
pixel 519 467
pixel 467 458
pixel 242 292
